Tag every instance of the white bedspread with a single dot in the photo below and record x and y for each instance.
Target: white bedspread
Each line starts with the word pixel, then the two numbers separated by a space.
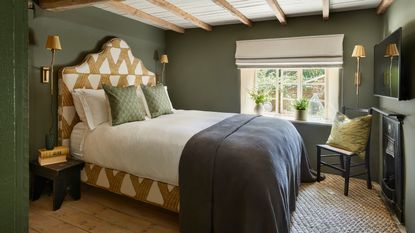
pixel 150 148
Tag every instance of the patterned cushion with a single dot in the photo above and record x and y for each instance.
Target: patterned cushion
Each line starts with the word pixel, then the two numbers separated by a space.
pixel 350 134
pixel 124 103
pixel 157 100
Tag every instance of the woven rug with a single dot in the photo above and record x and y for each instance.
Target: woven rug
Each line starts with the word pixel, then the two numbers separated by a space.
pixel 322 207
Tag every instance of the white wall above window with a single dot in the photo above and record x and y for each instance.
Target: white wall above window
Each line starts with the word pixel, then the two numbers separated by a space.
pixel 323 50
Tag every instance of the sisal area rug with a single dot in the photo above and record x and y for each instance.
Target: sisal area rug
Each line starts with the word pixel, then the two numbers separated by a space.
pixel 322 207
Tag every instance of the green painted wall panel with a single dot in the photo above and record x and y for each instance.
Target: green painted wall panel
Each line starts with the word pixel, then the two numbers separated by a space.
pixel 401 14
pixel 81 31
pixel 13 117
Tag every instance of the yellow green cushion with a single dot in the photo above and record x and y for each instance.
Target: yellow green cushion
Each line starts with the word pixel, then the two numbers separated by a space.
pixel 350 134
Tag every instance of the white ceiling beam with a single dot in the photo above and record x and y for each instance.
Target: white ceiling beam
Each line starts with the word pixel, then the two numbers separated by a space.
pixel 145 16
pixel 225 4
pixel 279 13
pixel 181 13
pixel 383 6
pixel 326 9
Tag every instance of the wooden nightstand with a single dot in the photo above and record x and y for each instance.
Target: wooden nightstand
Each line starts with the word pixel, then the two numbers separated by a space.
pixel 66 177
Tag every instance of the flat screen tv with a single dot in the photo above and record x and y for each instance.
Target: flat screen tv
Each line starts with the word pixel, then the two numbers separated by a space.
pixel 388 68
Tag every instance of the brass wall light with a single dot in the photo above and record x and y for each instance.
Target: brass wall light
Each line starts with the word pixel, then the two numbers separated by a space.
pixel 163 60
pixel 358 52
pixel 53 44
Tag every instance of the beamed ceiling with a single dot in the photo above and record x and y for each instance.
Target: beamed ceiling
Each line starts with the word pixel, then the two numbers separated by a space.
pixel 177 15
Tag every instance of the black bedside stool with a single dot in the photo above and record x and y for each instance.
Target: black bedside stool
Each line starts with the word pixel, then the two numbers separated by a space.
pixel 66 177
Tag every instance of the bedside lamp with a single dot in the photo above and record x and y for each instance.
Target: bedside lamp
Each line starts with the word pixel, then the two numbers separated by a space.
pixel 391 52
pixel 358 52
pixel 53 44
pixel 163 60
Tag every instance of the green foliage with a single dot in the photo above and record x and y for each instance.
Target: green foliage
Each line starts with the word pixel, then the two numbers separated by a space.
pixel 301 104
pixel 312 73
pixel 266 80
pixel 259 96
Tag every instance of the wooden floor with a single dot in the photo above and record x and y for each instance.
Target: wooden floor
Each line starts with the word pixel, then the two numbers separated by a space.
pixel 100 211
pixel 321 207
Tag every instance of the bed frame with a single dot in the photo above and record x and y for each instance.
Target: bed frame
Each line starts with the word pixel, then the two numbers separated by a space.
pixel 117 66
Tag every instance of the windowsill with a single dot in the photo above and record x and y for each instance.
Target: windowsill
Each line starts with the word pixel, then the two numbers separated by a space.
pixel 323 122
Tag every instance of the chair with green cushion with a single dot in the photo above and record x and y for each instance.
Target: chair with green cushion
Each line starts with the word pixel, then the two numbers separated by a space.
pixel 349 138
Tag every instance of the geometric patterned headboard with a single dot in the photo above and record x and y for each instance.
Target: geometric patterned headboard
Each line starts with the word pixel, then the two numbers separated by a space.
pixel 114 65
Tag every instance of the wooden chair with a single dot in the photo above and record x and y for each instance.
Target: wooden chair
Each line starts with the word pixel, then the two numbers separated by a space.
pixel 345 157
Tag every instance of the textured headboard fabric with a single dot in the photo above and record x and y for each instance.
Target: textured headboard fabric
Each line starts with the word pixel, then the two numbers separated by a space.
pixel 115 65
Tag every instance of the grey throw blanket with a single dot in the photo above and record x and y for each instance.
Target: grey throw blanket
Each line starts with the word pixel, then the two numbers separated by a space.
pixel 242 175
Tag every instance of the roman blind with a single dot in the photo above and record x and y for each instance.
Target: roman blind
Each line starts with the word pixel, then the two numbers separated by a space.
pixel 323 50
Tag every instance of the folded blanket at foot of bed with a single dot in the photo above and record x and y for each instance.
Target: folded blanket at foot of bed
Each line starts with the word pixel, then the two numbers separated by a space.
pixel 242 175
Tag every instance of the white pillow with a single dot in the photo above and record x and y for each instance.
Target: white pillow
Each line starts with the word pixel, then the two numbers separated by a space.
pixel 78 135
pixel 78 106
pixel 168 97
pixel 94 105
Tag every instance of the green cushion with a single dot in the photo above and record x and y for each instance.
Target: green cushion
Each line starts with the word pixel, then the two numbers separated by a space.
pixel 157 100
pixel 125 104
pixel 350 134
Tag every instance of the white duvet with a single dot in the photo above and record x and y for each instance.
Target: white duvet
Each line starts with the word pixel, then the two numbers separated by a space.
pixel 149 149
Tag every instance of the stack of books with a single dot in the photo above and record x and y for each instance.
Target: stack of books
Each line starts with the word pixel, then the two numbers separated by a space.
pixel 57 155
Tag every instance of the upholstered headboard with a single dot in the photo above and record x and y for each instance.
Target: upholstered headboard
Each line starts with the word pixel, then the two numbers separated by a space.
pixel 115 65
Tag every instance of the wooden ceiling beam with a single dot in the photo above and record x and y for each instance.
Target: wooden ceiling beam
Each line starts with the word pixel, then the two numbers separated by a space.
pixel 225 4
pixel 383 6
pixel 181 13
pixel 145 16
pixel 326 9
pixel 277 11
pixel 60 5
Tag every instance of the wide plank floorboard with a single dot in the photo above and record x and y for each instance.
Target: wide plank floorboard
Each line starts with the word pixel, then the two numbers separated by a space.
pixel 100 211
pixel 321 207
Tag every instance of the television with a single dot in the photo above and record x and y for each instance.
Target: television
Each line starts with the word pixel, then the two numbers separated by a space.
pixel 388 80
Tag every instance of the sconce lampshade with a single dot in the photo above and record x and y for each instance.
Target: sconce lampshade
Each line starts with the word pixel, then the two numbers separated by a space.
pixel 392 50
pixel 53 42
pixel 359 51
pixel 164 59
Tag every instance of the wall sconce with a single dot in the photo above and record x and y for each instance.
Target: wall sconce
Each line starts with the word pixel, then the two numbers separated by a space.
pixel 53 44
pixel 163 60
pixel 358 52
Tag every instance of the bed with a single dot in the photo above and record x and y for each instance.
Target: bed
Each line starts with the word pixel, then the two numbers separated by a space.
pixel 147 160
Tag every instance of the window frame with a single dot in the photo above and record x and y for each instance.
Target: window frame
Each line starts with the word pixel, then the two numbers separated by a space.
pixel 279 96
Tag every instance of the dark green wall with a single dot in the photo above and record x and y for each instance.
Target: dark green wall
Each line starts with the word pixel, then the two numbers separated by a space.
pixel 13 117
pixel 202 72
pixel 81 31
pixel 401 14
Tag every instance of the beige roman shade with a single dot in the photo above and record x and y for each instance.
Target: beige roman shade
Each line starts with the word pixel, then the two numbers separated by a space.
pixel 323 50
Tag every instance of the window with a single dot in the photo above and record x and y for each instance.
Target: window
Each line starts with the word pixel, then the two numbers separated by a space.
pixel 285 85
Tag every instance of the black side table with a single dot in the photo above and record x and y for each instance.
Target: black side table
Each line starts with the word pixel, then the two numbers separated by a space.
pixel 66 177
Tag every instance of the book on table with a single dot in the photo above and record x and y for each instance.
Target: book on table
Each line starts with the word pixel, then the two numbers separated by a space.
pixel 57 151
pixel 52 160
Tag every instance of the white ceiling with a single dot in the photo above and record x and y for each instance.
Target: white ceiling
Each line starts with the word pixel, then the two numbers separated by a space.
pixel 255 10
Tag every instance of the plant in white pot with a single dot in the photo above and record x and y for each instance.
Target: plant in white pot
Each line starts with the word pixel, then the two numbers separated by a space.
pixel 259 97
pixel 301 106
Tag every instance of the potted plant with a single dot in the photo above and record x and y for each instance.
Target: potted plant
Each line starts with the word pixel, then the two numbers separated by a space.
pixel 259 97
pixel 300 106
